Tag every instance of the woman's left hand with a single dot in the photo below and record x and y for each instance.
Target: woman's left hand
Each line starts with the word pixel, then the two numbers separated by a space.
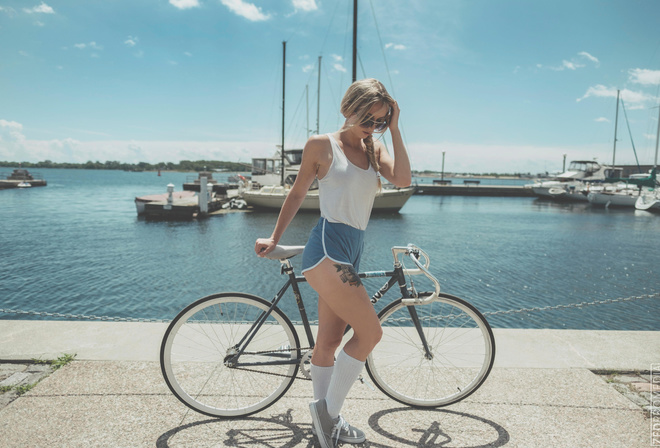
pixel 394 118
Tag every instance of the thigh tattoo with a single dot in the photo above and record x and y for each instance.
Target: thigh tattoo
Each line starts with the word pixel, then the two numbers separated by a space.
pixel 348 274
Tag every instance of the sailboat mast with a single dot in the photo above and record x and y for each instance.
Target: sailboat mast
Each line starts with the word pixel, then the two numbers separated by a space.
pixel 318 99
pixel 283 96
pixel 657 138
pixel 355 10
pixel 616 126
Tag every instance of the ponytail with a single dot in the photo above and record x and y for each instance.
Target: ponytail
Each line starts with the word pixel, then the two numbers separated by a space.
pixel 373 159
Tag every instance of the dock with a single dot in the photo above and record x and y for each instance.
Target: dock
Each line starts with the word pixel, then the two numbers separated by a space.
pixel 20 176
pixel 473 189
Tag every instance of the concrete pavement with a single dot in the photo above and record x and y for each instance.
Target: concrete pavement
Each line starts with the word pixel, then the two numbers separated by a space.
pixel 541 393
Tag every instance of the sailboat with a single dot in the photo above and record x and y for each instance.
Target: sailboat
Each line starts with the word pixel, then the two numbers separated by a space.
pixel 650 200
pixel 621 192
pixel 272 196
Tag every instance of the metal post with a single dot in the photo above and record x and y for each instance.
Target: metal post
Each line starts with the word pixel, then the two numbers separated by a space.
pixel 203 196
pixel 563 167
pixel 307 108
pixel 442 175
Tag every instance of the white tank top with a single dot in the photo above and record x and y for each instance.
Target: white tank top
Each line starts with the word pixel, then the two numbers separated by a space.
pixel 346 192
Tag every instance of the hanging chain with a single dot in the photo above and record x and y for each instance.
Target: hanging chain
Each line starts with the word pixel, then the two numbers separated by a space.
pixel 315 322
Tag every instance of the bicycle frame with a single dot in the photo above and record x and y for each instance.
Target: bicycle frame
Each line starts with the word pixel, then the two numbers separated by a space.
pixel 396 276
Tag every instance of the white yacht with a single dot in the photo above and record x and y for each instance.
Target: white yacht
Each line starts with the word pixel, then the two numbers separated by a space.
pixel 575 183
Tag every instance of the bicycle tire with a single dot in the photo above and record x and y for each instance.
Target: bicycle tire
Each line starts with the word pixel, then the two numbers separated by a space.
pixel 200 339
pixel 462 349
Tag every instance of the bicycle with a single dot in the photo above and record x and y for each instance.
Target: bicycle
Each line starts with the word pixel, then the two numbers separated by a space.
pixel 235 354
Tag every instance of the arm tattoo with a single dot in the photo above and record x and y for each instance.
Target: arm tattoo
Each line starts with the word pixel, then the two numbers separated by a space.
pixel 348 274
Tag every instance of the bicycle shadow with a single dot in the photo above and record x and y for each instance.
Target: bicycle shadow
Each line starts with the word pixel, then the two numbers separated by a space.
pixel 428 428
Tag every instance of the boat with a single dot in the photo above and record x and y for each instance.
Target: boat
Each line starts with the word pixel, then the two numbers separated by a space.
pixel 24 185
pixel 273 177
pixel 650 199
pixel 192 183
pixel 575 183
pixel 272 197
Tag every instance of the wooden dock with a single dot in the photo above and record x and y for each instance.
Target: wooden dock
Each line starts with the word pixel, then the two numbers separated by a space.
pixel 474 190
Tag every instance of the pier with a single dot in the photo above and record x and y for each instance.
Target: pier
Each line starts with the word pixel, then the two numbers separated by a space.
pixel 22 178
pixel 473 189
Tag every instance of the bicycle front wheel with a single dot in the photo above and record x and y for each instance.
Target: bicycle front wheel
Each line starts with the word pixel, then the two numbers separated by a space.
pixel 459 352
pixel 215 363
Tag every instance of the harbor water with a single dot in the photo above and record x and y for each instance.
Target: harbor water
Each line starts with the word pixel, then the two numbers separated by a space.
pixel 77 247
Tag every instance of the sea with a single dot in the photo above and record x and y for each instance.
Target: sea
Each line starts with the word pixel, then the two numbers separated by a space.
pixel 77 248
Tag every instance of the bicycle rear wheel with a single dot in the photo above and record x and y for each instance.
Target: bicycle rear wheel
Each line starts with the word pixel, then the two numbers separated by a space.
pixel 198 351
pixel 460 357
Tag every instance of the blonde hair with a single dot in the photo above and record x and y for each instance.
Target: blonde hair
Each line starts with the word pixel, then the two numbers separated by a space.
pixel 358 100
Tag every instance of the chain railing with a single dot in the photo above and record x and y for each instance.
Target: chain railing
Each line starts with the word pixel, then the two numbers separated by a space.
pixel 487 313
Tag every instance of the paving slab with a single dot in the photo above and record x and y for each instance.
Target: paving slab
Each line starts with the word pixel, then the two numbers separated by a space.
pixel 127 404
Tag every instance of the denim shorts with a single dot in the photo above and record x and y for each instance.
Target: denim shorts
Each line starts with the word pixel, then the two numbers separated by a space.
pixel 339 242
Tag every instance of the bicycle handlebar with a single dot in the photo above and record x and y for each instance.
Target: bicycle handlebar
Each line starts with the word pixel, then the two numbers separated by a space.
pixel 414 252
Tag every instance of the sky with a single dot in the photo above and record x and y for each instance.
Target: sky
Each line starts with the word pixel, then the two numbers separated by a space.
pixel 495 85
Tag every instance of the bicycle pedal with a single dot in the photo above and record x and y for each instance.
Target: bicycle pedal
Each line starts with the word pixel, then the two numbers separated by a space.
pixel 366 383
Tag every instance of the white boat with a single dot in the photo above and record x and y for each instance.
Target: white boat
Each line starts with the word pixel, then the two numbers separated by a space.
pixel 620 195
pixel 649 200
pixel 575 183
pixel 24 185
pixel 272 197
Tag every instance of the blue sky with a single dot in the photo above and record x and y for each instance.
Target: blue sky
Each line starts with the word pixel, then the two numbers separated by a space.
pixel 499 85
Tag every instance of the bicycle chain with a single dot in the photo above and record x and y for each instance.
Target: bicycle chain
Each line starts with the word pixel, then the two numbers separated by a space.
pixel 302 349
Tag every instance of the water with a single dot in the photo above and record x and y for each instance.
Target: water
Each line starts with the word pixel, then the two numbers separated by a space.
pixel 77 246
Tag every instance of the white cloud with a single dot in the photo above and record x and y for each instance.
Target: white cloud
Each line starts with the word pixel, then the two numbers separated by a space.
pixel 93 45
pixel 305 5
pixel 602 120
pixel 634 100
pixel 131 41
pixel 41 9
pixel 645 76
pixel 187 53
pixel 246 10
pixel 131 151
pixel 184 4
pixel 589 57
pixel 649 136
pixel 395 46
pixel 574 64
pixel 339 68
pixel 12 140
pixel 471 158
pixel 308 68
pixel 336 57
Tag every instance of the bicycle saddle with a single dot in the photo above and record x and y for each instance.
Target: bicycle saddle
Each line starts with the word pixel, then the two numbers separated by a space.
pixel 284 252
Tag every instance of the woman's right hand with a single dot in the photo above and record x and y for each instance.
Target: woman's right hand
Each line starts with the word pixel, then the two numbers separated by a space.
pixel 263 246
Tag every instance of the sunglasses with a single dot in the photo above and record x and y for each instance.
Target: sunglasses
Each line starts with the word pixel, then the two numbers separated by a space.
pixel 378 125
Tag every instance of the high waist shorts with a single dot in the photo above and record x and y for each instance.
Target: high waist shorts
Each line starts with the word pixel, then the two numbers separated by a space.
pixel 339 242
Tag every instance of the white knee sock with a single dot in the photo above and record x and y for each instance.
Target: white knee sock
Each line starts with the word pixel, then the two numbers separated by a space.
pixel 321 380
pixel 347 370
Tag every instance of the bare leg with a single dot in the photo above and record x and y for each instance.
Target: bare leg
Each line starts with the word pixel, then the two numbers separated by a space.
pixel 342 300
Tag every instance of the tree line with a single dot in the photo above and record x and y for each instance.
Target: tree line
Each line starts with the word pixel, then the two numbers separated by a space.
pixel 183 165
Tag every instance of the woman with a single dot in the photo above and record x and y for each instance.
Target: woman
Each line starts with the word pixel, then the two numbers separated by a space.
pixel 348 165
